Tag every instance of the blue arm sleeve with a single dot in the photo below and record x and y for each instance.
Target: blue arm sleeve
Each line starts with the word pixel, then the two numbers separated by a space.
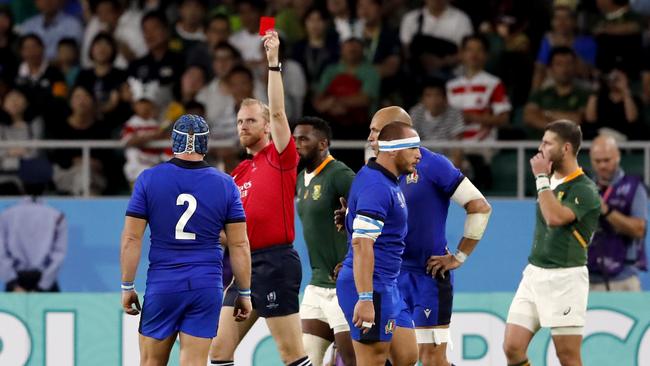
pixel 375 202
pixel 235 207
pixel 138 203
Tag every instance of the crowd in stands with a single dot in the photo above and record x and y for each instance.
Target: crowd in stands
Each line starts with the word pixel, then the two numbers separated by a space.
pixel 464 69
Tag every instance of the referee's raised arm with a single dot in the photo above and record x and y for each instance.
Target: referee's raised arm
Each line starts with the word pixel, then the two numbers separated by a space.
pixel 280 131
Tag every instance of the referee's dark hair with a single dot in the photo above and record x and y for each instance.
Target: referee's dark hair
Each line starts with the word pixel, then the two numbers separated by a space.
pixel 394 131
pixel 567 131
pixel 319 125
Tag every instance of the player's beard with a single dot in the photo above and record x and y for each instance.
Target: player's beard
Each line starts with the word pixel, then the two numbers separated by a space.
pixel 249 140
pixel 557 160
pixel 309 159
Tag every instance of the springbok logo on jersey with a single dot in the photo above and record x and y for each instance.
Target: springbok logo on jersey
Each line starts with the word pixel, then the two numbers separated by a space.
pixel 316 194
pixel 412 178
pixel 560 195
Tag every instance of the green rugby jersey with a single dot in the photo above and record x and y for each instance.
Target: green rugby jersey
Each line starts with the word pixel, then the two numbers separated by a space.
pixel 316 202
pixel 566 246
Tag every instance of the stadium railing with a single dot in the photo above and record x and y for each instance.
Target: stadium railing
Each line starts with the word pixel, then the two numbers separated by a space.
pixel 523 150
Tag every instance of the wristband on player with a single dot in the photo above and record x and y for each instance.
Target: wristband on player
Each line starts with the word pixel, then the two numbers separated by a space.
pixel 542 182
pixel 365 296
pixel 460 256
pixel 245 293
pixel 128 286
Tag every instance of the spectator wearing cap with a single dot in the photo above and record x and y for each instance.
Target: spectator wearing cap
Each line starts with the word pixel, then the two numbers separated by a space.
pixel 564 99
pixel 161 64
pixel 348 92
pixel 30 260
pixel 143 127
pixel 52 25
pixel 14 127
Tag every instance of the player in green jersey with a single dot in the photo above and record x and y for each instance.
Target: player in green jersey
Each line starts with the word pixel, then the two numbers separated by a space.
pixel 319 187
pixel 555 285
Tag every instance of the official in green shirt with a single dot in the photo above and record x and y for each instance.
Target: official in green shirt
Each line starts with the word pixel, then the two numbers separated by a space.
pixel 319 189
pixel 555 285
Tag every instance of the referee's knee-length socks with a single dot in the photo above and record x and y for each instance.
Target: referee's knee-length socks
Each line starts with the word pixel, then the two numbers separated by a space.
pixel 301 362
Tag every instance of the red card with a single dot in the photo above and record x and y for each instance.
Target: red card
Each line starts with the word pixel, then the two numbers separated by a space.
pixel 266 23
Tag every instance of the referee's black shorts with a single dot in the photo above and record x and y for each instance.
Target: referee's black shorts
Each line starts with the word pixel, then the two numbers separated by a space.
pixel 275 282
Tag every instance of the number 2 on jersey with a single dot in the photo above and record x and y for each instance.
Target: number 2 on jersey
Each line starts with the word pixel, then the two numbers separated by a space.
pixel 185 217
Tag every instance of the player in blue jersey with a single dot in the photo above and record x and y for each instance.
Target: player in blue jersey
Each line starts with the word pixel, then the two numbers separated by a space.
pixel 424 282
pixel 425 286
pixel 186 204
pixel 376 225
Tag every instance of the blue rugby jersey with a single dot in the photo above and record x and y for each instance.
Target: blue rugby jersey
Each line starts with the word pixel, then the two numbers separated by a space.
pixel 427 192
pixel 186 205
pixel 375 194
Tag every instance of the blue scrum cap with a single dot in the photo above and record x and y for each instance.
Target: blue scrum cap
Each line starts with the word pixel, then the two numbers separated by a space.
pixel 190 134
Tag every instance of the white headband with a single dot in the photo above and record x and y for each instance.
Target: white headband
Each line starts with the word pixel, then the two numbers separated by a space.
pixel 189 140
pixel 401 144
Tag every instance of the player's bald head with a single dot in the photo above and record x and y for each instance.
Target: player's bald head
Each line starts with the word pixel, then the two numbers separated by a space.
pixel 390 114
pixel 396 130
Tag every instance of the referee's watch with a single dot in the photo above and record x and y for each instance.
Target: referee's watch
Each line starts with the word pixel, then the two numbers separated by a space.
pixel 276 68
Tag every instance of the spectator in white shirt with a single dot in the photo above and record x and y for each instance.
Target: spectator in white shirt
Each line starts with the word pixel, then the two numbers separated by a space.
pixel 247 40
pixel 437 19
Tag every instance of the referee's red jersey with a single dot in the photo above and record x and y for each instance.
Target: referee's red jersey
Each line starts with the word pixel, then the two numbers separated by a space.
pixel 267 183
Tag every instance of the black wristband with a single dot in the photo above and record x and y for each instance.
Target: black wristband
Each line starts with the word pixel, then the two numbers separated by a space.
pixel 276 68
